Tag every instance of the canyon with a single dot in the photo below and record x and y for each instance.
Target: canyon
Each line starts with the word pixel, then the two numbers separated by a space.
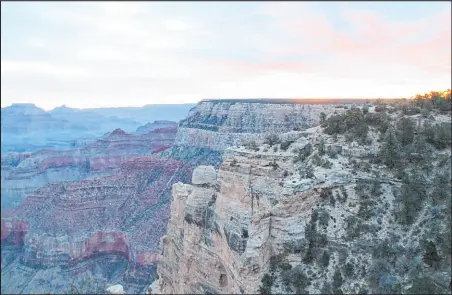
pixel 265 221
pixel 204 207
pixel 28 128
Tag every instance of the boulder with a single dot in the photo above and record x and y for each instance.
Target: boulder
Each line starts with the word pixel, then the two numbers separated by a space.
pixel 116 289
pixel 204 175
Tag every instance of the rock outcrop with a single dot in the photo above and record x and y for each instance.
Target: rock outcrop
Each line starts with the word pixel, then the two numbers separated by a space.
pixel 266 221
pixel 240 208
pixel 24 173
pixel 220 124
pixel 155 125
pixel 116 289
pixel 219 237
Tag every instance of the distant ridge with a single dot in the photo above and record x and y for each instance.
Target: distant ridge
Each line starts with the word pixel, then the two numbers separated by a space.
pixel 297 100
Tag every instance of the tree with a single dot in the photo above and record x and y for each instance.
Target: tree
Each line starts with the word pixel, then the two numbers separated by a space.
pixel 325 260
pixel 271 139
pixel 322 146
pixel 420 150
pixel 431 257
pixel 442 135
pixel 365 109
pixel 413 194
pixel 337 281
pixel 267 283
pixel 390 149
pixel 322 117
pixel 441 191
pixel 405 128
pixel 88 285
pixel 424 285
pixel 334 125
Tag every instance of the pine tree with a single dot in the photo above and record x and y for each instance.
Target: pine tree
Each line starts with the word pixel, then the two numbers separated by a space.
pixel 406 128
pixel 390 149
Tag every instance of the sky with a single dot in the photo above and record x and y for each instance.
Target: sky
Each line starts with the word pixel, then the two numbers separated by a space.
pixel 113 54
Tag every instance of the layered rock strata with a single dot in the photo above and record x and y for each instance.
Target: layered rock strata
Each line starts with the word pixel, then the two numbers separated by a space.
pixel 263 213
pixel 24 173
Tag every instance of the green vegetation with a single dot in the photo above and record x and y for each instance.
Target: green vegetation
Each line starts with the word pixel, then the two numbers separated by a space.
pixel 286 144
pixel 337 281
pixel 351 122
pixel 325 260
pixel 253 146
pixel 271 139
pixel 303 153
pixel 295 280
pixel 390 150
pixel 413 194
pixel 434 100
pixel 266 284
pixel 405 131
pixel 87 285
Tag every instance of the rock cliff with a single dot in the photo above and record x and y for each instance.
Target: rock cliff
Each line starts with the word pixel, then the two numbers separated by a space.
pixel 220 124
pixel 23 173
pixel 313 213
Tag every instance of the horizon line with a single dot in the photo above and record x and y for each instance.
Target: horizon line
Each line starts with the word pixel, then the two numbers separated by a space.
pixel 208 100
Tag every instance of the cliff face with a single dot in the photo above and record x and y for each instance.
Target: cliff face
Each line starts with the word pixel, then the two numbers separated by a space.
pixel 225 226
pixel 114 222
pixel 218 125
pixel 266 222
pixel 24 173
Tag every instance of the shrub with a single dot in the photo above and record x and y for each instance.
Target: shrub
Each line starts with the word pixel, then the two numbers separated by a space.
pixel 325 260
pixel 295 278
pixel 324 218
pixel 309 171
pixel 316 160
pixel 442 135
pixel 321 146
pixel 441 188
pixel 327 164
pixel 337 281
pixel 366 208
pixel 352 228
pixel 378 270
pixel 271 139
pixel 431 257
pixel 87 285
pixel 266 284
pixel 365 109
pixel 322 117
pixel 304 152
pixel 348 270
pixel 413 193
pixel 424 285
pixel 286 144
pixel 334 125
pixel 380 108
pixel 253 146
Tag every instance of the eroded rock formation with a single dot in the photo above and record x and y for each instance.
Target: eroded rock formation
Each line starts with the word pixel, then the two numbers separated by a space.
pixel 24 173
pixel 295 221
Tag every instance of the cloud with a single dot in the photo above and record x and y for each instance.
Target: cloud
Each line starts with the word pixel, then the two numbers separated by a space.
pixel 37 67
pixel 136 53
